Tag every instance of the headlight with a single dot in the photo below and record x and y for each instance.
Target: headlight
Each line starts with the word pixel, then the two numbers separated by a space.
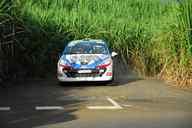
pixel 105 64
pixel 64 65
pixel 62 62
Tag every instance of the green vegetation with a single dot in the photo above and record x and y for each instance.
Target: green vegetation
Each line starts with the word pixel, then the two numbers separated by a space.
pixel 154 36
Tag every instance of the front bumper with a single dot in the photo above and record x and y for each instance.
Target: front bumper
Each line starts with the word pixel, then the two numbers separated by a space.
pixel 76 79
pixel 105 75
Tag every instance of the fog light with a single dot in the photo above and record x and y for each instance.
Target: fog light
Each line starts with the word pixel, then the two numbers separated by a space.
pixel 65 71
pixel 101 71
pixel 59 74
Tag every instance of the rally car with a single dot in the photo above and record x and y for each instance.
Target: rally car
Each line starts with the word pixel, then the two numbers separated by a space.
pixel 86 60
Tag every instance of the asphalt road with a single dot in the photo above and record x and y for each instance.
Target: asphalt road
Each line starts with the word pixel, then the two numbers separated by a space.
pixel 129 102
pixel 133 103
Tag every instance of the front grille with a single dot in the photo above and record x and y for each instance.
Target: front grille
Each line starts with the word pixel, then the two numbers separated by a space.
pixel 73 74
pixel 86 75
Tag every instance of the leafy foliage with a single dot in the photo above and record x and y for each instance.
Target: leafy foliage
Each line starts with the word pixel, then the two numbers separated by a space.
pixel 154 36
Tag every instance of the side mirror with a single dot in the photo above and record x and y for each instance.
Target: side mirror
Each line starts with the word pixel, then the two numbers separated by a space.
pixel 113 54
pixel 59 55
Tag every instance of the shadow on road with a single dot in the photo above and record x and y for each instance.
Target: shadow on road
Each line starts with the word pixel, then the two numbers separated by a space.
pixel 24 98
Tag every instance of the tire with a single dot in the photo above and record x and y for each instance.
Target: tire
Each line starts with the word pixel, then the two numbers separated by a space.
pixel 60 83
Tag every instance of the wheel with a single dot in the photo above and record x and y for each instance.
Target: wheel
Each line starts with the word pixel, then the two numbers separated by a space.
pixel 60 83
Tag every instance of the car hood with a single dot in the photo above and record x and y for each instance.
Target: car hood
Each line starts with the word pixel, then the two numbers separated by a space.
pixel 85 61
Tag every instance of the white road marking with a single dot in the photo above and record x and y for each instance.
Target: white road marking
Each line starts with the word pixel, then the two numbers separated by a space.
pixel 19 120
pixel 115 105
pixel 102 107
pixel 127 105
pixel 5 108
pixel 49 108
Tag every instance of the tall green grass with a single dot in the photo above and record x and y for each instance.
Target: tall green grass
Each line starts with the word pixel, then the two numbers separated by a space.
pixel 154 36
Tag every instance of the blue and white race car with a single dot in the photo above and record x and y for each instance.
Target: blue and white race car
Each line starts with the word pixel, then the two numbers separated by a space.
pixel 86 60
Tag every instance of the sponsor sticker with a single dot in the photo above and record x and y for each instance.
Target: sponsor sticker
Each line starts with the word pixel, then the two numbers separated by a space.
pixel 84 71
pixel 109 74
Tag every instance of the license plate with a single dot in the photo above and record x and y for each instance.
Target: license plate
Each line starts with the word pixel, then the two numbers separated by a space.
pixel 84 71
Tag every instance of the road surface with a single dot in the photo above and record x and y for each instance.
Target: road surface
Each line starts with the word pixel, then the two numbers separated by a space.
pixel 129 102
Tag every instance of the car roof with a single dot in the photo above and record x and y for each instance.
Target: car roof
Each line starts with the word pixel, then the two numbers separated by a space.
pixel 74 42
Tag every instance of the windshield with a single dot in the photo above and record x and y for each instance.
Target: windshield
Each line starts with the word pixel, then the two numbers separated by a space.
pixel 86 48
